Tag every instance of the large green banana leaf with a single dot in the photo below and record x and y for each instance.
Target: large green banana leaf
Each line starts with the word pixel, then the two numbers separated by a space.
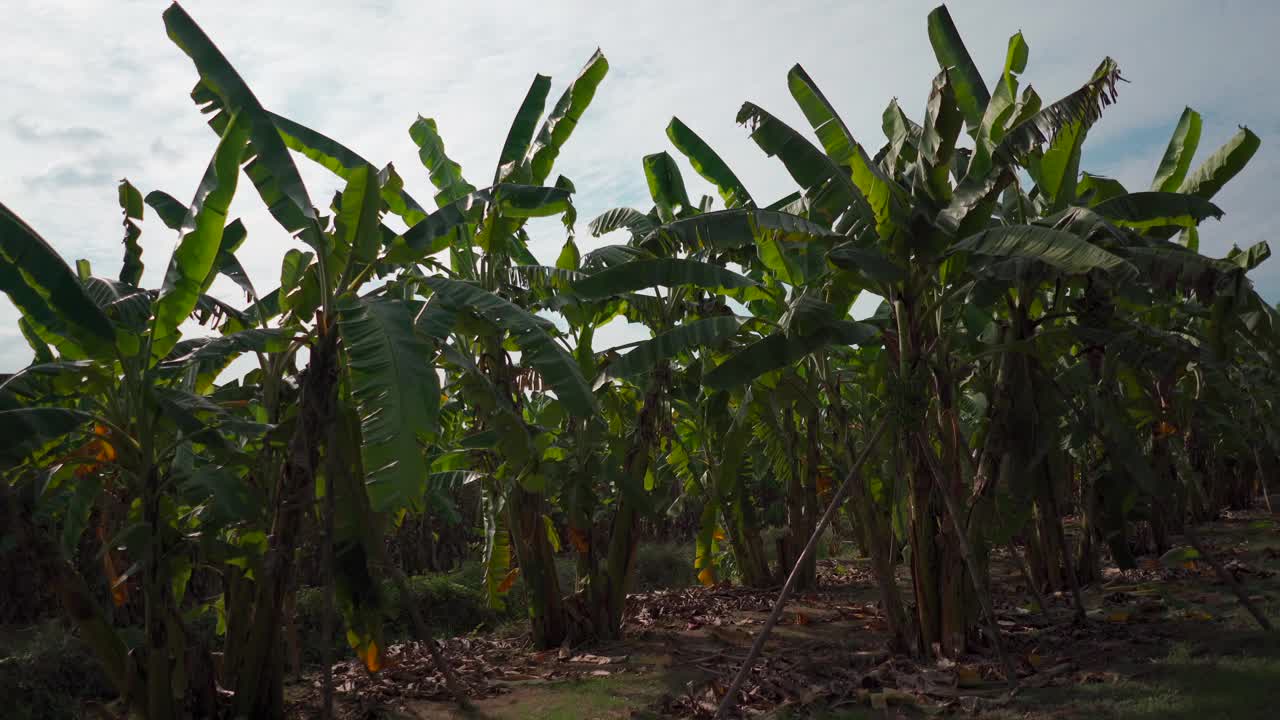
pixel 1177 156
pixel 358 222
pixel 937 149
pixel 742 227
pixel 666 186
pixel 272 170
pixel 708 164
pixel 1142 210
pixel 971 92
pixel 193 258
pixel 887 200
pixel 659 272
pixel 699 333
pixel 1221 166
pixel 1059 249
pixel 538 349
pixel 396 393
pixel 48 293
pixel 564 117
pixel 511 167
pixel 446 175
pixel 780 350
pixel 828 189
pixel 342 161
pixel 449 225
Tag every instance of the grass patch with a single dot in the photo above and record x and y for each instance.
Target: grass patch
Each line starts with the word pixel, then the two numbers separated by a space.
pixel 1190 683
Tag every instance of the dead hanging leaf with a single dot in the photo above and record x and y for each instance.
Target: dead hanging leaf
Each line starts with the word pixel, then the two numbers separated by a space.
pixel 1164 429
pixel 119 588
pixel 579 540
pixel 824 484
pixel 707 576
pixel 718 535
pixel 509 580
pixel 370 656
pixel 967 676
pixel 99 449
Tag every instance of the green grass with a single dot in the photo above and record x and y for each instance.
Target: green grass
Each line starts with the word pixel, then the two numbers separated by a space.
pixel 1190 683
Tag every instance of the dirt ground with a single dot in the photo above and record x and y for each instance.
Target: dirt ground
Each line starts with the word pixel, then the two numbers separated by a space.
pixel 1168 640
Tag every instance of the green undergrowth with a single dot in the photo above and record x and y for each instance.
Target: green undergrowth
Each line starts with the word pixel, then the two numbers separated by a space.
pixel 46 673
pixel 454 603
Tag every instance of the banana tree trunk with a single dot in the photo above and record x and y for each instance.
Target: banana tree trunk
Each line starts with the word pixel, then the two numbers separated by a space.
pixel 259 673
pixel 743 529
pixel 537 567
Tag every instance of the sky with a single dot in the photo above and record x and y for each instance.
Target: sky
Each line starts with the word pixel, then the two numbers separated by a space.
pixel 92 92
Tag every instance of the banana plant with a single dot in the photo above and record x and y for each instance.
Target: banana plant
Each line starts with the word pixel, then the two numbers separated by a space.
pixel 100 415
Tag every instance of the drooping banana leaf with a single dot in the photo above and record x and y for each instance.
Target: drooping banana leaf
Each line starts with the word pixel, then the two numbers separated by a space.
pixel 170 211
pixel 1061 250
pixel 225 348
pixel 829 192
pixel 538 349
pixel 780 350
pixel 1142 210
pixel 1218 169
pixel 396 393
pixel 659 272
pixel 49 294
pixel 25 430
pixel 272 170
pixel 343 161
pixel 624 217
pixel 449 224
pixel 699 333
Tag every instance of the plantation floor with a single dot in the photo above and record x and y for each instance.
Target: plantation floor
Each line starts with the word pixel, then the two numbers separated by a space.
pixel 1161 642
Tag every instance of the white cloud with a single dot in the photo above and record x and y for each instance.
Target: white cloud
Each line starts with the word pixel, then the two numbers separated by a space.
pixel 95 92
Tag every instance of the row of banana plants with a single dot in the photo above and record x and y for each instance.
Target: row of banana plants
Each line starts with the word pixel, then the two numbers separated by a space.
pixel 1048 344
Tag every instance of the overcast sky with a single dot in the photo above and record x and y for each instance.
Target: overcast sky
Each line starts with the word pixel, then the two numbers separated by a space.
pixel 91 92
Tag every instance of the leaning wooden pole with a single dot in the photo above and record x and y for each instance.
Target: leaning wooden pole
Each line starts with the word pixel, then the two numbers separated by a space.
pixel 1227 578
pixel 730 698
